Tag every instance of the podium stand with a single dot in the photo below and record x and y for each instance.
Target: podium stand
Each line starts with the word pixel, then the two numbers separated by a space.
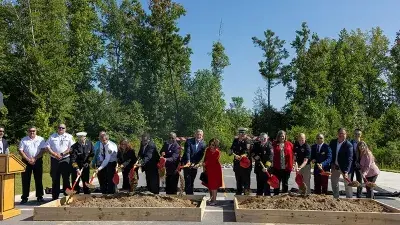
pixel 9 166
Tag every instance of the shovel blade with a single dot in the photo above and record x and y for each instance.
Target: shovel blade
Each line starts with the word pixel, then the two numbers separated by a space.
pixel 69 191
pixel 273 182
pixel 89 185
pixel 299 179
pixel 116 178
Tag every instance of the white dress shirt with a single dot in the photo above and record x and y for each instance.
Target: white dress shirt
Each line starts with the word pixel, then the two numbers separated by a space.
pixel 339 145
pixel 32 147
pixel 1 147
pixel 110 153
pixel 60 143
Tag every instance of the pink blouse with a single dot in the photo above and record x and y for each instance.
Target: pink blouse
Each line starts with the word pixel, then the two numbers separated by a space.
pixel 368 166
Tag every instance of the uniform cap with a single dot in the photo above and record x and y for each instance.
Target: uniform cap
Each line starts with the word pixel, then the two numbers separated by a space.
pixel 80 134
pixel 242 130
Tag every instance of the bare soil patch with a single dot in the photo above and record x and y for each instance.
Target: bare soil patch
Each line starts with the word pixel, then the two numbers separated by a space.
pixel 312 202
pixel 133 200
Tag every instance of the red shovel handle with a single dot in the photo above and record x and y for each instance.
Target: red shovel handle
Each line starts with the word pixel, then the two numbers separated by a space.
pixel 77 178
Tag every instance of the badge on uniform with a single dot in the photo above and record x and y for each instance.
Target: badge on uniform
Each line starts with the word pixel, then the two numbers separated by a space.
pixel 109 151
pixel 302 150
pixel 322 153
pixel 265 152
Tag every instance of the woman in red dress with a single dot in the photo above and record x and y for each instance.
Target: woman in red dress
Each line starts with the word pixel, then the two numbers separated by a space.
pixel 213 169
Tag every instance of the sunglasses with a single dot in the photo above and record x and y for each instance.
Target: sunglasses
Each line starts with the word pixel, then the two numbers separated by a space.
pixel 61 128
pixel 1 131
pixel 32 131
pixel 320 138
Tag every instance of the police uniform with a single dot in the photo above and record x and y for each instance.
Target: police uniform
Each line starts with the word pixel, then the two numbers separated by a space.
pixel 264 151
pixel 60 143
pixel 107 163
pixel 81 152
pixel 32 149
pixel 242 175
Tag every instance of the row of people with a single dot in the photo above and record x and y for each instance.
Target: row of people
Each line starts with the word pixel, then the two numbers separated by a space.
pixel 280 157
pixel 277 156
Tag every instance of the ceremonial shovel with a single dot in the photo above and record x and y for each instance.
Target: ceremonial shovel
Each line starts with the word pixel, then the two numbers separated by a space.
pixel 272 180
pixel 369 184
pixel 71 191
pixel 323 173
pixel 351 183
pixel 116 177
pixel 300 182
pixel 90 184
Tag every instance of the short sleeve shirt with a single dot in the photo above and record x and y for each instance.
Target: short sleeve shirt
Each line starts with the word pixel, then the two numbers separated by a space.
pixel 31 147
pixel 60 143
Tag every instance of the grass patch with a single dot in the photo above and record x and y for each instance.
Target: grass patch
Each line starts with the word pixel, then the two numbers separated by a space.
pixel 390 170
pixel 18 183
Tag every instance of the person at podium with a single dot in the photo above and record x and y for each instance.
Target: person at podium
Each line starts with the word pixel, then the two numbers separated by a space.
pixel 31 150
pixel 3 142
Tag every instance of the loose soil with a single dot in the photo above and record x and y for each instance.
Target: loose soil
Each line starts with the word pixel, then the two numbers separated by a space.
pixel 136 200
pixel 312 202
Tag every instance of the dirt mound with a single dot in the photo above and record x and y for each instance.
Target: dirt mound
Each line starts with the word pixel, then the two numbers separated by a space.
pixel 312 202
pixel 136 200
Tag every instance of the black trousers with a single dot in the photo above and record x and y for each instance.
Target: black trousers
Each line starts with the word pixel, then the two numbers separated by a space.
pixel 190 175
pixel 84 177
pixel 37 170
pixel 242 177
pixel 263 187
pixel 125 178
pixel 153 181
pixel 359 179
pixel 60 168
pixel 105 177
pixel 370 192
pixel 171 183
pixel 283 176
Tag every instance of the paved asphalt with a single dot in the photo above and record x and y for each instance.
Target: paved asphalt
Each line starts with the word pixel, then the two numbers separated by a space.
pixel 222 213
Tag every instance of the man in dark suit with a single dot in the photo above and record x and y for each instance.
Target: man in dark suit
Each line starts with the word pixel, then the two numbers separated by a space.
pixel 170 151
pixel 321 156
pixel 193 153
pixel 3 142
pixel 355 168
pixel 342 159
pixel 262 153
pixel 149 158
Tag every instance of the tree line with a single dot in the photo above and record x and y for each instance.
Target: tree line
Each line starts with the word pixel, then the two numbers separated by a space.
pixel 125 68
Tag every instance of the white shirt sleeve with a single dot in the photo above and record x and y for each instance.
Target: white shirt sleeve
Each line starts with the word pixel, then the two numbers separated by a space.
pixel 71 141
pixel 106 160
pixel 21 145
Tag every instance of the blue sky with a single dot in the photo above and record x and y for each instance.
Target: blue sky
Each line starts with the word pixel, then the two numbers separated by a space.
pixel 245 19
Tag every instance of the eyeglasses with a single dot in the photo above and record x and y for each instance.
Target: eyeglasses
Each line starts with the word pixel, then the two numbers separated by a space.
pixel 1 131
pixel 32 131
pixel 61 128
pixel 320 138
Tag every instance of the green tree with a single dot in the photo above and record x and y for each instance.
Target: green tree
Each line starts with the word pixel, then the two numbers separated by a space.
pixel 274 54
pixel 238 114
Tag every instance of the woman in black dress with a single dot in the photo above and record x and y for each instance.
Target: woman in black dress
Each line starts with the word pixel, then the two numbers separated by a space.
pixel 126 159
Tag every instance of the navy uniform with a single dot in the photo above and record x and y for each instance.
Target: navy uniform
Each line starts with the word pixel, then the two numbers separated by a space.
pixel 241 146
pixel 171 151
pixel 81 154
pixel 264 152
pixel 107 163
pixel 303 152
pixel 321 154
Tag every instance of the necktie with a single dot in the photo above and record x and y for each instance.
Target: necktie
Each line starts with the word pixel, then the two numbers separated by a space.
pixel 319 148
pixel 104 151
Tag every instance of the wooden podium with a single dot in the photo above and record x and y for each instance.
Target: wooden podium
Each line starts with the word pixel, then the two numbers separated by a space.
pixel 9 166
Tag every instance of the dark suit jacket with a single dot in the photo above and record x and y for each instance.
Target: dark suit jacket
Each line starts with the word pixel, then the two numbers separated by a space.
pixel 81 154
pixel 190 153
pixel 5 146
pixel 265 154
pixel 345 156
pixel 356 155
pixel 324 157
pixel 149 156
pixel 171 156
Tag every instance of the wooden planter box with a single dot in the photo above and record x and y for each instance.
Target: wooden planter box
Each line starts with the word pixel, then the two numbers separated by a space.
pixel 314 216
pixel 57 211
